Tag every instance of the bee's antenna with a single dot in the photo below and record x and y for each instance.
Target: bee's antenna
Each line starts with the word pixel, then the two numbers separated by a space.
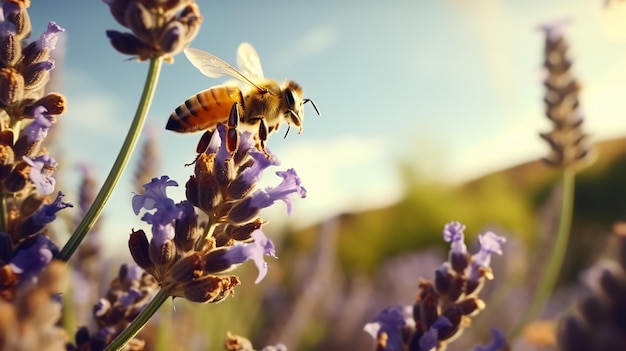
pixel 312 103
pixel 287 132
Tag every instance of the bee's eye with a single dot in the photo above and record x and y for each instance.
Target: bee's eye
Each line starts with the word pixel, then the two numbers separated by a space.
pixel 291 98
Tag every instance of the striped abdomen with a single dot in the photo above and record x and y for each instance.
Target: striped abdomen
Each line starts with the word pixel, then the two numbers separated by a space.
pixel 205 109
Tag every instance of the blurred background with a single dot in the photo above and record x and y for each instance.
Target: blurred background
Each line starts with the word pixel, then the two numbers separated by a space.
pixel 430 112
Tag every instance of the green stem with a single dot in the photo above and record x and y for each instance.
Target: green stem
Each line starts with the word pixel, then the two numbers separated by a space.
pixel 546 285
pixel 138 323
pixel 120 163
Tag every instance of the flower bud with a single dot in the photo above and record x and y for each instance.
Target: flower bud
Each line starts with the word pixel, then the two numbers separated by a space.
pixel 11 49
pixel 210 288
pixel 138 19
pixel 54 103
pixel 162 255
pixel 11 87
pixel 139 250
pixel 17 178
pixel 188 268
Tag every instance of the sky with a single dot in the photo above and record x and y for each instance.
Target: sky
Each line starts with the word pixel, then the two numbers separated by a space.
pixel 451 87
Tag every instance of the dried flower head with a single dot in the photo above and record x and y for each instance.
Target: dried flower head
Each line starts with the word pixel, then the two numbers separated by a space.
pixel 158 28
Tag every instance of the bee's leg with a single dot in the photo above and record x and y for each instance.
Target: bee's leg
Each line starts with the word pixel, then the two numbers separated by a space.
pixel 232 136
pixel 203 145
pixel 263 136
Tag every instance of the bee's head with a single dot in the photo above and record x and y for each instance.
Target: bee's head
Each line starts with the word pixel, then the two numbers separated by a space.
pixel 294 102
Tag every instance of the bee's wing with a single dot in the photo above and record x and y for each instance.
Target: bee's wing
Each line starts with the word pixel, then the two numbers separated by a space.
pixel 249 62
pixel 214 67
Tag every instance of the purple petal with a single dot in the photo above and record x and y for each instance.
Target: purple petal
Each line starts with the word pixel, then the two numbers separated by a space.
pixel 430 339
pixel 47 213
pixel 37 130
pixel 254 251
pixel 453 233
pixel 284 192
pixel 154 196
pixel 48 40
pixel 42 168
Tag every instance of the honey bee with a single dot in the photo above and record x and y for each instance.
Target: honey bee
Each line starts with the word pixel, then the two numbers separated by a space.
pixel 261 107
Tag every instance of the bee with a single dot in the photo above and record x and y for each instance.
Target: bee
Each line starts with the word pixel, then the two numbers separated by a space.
pixel 260 105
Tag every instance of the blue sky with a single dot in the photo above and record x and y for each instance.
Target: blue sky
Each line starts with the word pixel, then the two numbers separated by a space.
pixel 453 87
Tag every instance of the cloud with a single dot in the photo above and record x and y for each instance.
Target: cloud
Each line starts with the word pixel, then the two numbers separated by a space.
pixel 312 43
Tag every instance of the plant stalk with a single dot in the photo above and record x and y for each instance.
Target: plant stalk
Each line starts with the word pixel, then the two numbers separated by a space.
pixel 553 269
pixel 120 163
pixel 139 322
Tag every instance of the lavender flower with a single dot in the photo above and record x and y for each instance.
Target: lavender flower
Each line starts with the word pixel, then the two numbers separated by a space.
pixel 189 260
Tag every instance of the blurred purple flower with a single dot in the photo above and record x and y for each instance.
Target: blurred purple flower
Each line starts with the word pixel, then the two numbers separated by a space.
pixel 47 213
pixel 390 321
pixel 554 30
pixel 430 338
pixel 490 243
pixel 497 343
pixel 33 257
pixel 453 233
